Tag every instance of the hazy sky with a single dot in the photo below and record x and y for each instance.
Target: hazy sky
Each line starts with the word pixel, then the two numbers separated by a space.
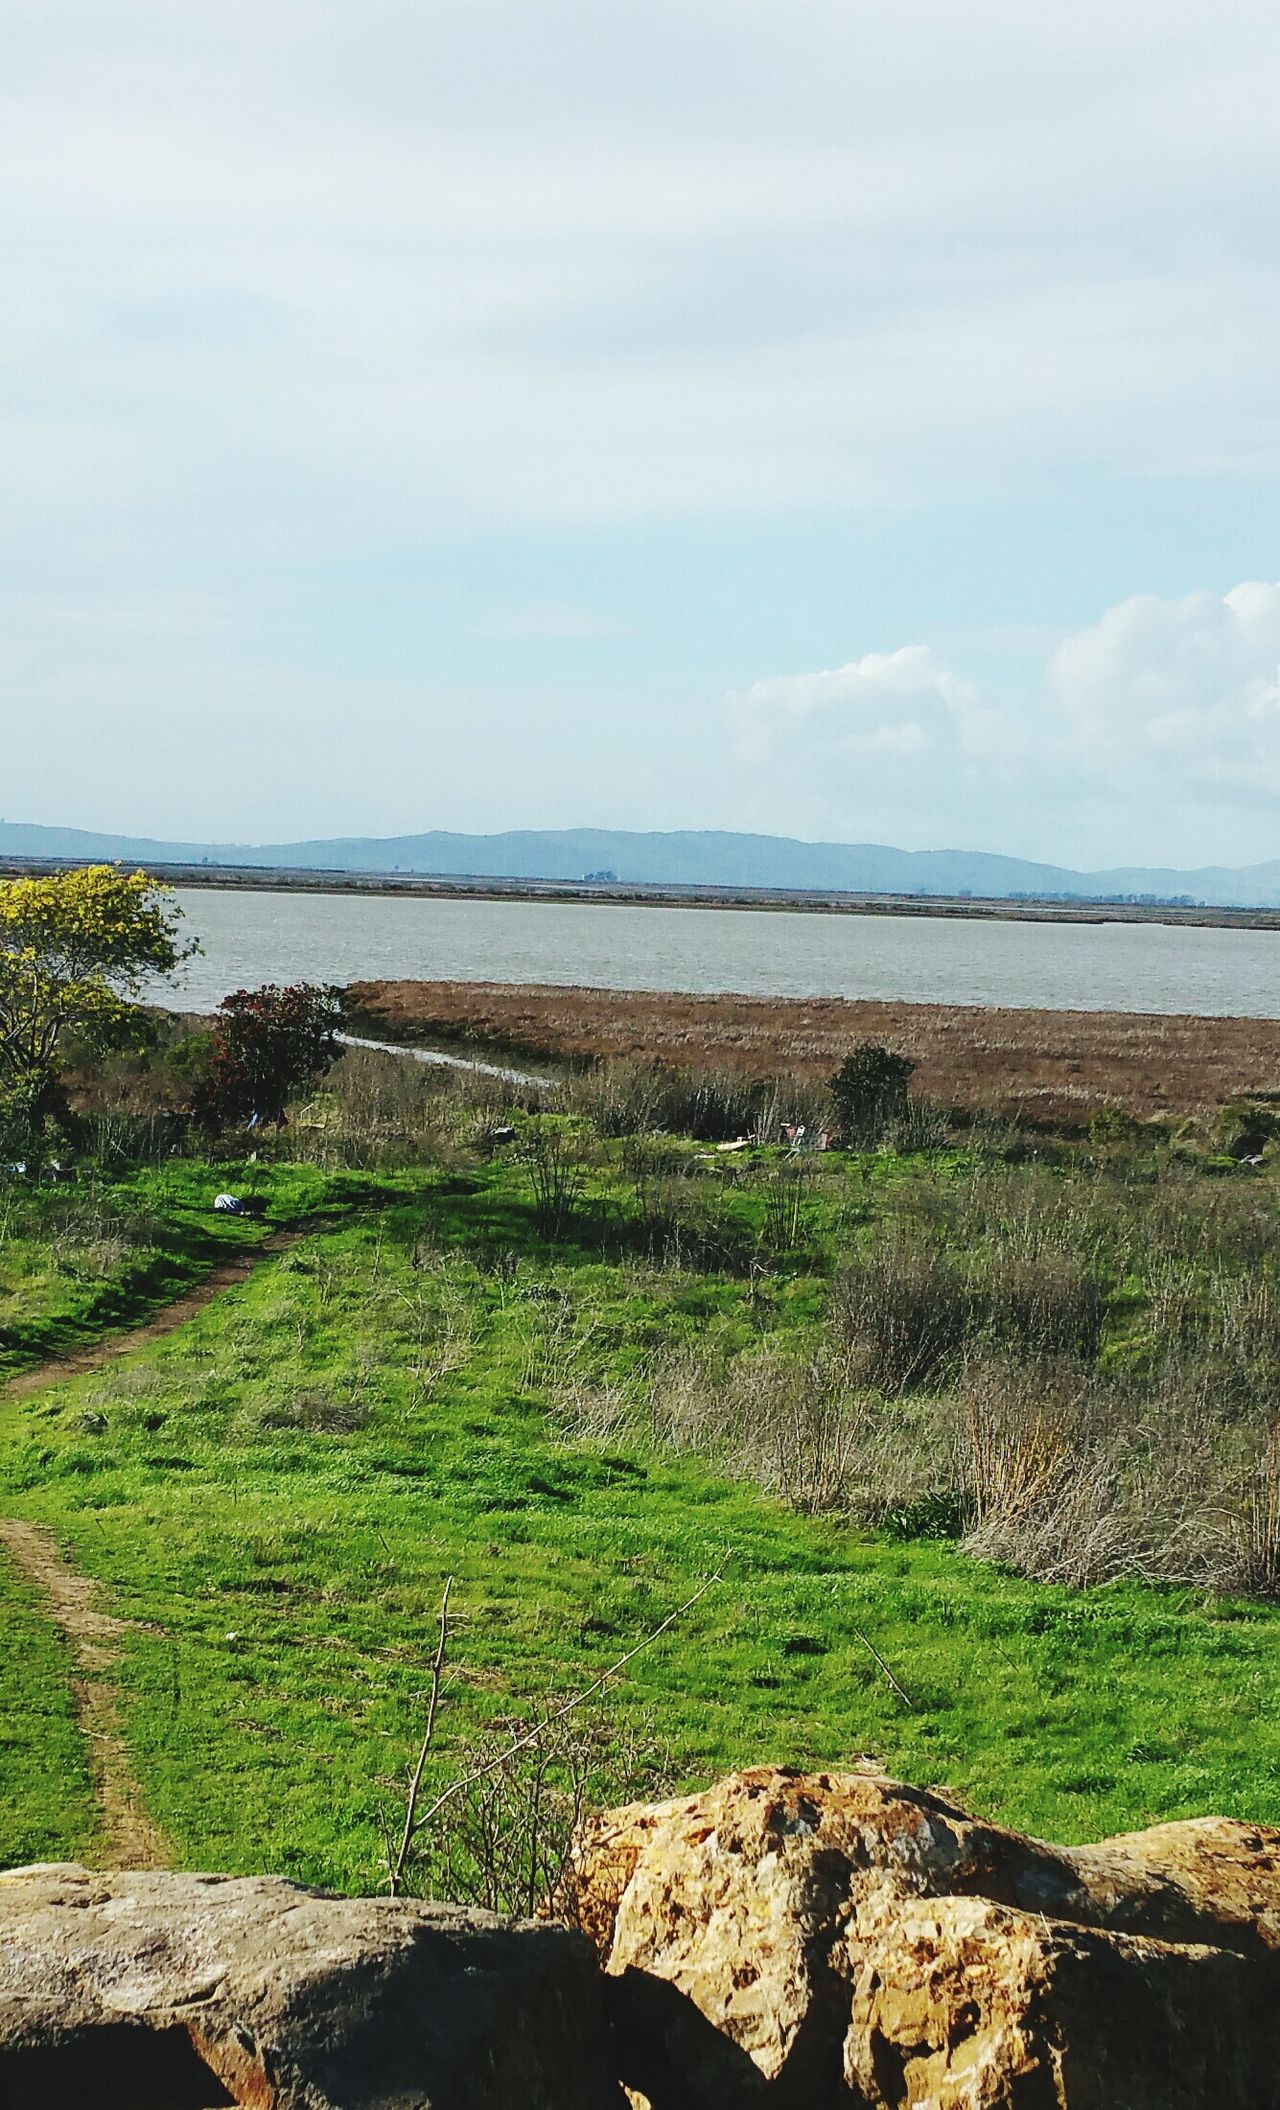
pixel 847 418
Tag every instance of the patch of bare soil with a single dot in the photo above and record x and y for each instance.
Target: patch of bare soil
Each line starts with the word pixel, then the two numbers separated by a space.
pixel 131 1840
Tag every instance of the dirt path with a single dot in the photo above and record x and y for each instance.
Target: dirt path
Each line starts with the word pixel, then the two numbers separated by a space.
pixel 440 1060
pixel 130 1839
pixel 237 1267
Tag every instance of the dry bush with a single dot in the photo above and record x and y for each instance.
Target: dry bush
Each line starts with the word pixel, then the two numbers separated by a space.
pixel 1039 1297
pixel 1187 1218
pixel 680 1218
pixel 117 1138
pixel 1221 1325
pixel 618 1098
pixel 498 1832
pixel 1081 1480
pixel 555 1177
pixel 790 1102
pixel 1255 1520
pixel 504 1842
pixel 317 1411
pixel 377 1110
pixel 93 1233
pixel 797 1426
pixel 1022 1422
pixel 1041 1490
pixel 921 1126
pixel 902 1311
pixel 434 1313
pixel 710 1103
pixel 1055 1467
pixel 659 1176
pixel 787 1190
pixel 1009 1258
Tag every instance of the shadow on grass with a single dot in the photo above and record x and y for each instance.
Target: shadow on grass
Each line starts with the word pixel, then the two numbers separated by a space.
pixel 196 1245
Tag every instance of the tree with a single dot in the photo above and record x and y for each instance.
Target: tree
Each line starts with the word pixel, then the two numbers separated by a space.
pixel 268 1045
pixel 76 950
pixel 869 1091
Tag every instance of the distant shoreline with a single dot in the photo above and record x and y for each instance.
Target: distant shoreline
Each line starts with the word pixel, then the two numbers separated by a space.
pixel 619 894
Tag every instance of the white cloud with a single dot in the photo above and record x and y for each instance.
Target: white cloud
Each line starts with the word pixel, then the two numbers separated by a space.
pixel 875 683
pixel 862 749
pixel 1187 688
pixel 1158 724
pixel 294 295
pixel 899 706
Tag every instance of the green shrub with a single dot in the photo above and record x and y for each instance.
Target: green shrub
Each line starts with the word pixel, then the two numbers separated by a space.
pixel 869 1093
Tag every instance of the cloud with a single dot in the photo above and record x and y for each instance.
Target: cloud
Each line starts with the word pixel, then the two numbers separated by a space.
pixel 897 706
pixel 1158 722
pixel 351 323
pixel 865 748
pixel 866 686
pixel 1188 689
pixel 511 262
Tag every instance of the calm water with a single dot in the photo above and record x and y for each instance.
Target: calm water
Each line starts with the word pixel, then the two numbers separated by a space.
pixel 250 938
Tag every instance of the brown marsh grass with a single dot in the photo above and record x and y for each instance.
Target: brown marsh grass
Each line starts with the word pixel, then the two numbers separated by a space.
pixel 1053 1069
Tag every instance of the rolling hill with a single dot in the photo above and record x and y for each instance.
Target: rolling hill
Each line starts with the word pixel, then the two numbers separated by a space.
pixel 680 858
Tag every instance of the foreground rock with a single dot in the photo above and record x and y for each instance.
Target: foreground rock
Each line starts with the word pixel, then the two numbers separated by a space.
pixel 793 1941
pixel 837 1939
pixel 169 1992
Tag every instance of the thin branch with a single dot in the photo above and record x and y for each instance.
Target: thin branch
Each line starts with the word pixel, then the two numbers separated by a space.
pixel 395 1869
pixel 531 1736
pixel 905 1697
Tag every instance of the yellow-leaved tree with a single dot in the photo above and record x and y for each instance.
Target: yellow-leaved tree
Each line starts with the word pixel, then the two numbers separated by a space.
pixel 75 951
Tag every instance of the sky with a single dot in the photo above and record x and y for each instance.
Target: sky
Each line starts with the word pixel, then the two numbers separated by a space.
pixel 853 419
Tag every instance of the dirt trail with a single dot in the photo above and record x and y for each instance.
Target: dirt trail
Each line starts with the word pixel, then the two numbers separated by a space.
pixel 130 1839
pixel 237 1267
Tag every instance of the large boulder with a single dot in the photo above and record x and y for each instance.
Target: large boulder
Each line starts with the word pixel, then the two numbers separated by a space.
pixel 800 1941
pixel 181 1992
pixel 837 1939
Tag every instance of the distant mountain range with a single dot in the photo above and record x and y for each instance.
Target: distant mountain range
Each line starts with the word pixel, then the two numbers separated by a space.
pixel 684 858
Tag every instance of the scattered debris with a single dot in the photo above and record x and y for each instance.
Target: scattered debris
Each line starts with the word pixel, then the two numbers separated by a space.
pixel 253 1205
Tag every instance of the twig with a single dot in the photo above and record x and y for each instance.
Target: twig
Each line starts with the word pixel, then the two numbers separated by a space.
pixel 395 1869
pixel 531 1736
pixel 905 1697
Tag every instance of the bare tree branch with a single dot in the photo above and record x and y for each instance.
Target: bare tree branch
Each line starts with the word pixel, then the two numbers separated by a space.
pixel 396 1866
pixel 415 1824
pixel 904 1696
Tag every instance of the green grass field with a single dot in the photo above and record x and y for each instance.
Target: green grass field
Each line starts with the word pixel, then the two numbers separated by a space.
pixel 45 1792
pixel 277 1493
pixel 82 1260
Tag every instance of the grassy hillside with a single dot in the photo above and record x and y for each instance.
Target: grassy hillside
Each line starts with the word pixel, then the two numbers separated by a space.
pixel 577 1417
pixel 104 1251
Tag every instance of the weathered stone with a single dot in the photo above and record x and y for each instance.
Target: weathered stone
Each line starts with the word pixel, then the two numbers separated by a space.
pixel 838 1939
pixel 787 1940
pixel 966 2005
pixel 172 1992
